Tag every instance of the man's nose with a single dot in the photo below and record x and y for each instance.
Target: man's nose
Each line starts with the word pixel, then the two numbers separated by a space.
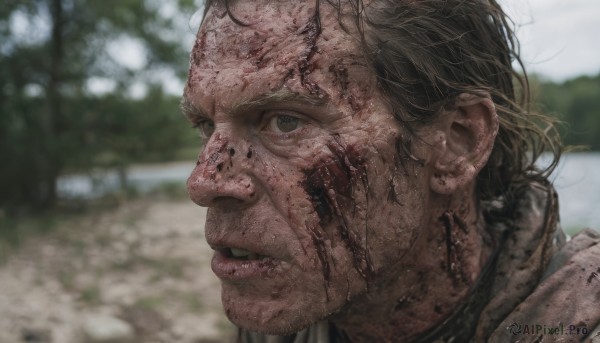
pixel 220 178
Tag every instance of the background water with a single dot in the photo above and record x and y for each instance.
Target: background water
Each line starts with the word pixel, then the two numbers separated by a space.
pixel 577 180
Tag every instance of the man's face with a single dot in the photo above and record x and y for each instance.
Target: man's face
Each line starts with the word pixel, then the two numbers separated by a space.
pixel 308 201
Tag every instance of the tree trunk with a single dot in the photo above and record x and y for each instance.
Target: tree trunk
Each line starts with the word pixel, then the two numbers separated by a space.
pixel 52 160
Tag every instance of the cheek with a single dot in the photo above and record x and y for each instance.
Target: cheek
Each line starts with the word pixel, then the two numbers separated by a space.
pixel 395 208
pixel 337 188
pixel 395 227
pixel 285 198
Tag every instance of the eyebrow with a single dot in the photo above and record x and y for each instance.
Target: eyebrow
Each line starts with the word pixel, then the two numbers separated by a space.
pixel 189 110
pixel 256 102
pixel 280 96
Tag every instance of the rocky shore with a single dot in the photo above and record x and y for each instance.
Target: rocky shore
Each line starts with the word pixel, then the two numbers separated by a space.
pixel 139 272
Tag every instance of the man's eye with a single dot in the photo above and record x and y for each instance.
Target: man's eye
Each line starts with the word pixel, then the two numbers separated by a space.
pixel 284 124
pixel 205 128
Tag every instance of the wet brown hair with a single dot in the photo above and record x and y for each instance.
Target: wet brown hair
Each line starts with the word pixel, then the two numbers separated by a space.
pixel 427 52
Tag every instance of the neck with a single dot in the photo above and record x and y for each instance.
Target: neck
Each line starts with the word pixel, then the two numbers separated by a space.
pixel 430 284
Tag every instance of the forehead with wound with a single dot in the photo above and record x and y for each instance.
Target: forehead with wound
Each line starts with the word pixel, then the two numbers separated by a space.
pixel 269 27
pixel 275 47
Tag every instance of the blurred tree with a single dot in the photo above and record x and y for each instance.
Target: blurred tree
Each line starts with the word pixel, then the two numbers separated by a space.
pixel 142 130
pixel 51 51
pixel 577 103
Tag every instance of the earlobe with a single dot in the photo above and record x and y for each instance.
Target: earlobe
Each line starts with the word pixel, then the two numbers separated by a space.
pixel 464 141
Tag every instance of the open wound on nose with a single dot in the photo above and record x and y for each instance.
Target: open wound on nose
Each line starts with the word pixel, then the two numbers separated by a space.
pixel 214 161
pixel 329 185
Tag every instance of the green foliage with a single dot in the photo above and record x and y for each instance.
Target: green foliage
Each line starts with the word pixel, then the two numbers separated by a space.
pixel 577 103
pixel 119 130
pixel 51 122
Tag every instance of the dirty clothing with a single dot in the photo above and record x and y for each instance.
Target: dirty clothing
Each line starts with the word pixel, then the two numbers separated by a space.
pixel 536 288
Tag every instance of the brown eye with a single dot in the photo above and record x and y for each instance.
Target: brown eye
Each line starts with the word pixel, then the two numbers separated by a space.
pixel 284 124
pixel 206 128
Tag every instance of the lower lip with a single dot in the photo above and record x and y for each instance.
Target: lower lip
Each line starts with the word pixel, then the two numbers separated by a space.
pixel 227 268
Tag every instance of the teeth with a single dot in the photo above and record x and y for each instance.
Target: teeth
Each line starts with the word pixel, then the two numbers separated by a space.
pixel 244 254
pixel 240 252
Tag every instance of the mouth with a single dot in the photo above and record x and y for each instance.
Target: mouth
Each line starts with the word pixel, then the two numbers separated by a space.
pixel 242 254
pixel 234 264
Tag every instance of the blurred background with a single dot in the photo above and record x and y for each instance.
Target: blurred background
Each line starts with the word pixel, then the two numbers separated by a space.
pixel 96 233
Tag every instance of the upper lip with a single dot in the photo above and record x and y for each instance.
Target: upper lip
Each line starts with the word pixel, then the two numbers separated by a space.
pixel 245 244
pixel 245 230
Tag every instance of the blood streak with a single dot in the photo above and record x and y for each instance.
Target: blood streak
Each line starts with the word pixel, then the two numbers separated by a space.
pixel 330 186
pixel 312 30
pixel 455 258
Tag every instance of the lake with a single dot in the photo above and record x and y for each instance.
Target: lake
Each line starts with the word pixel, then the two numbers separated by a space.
pixel 577 180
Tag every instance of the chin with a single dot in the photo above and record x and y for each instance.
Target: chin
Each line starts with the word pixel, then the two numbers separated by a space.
pixel 280 316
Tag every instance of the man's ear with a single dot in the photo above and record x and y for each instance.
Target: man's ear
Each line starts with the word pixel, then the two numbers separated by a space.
pixel 464 142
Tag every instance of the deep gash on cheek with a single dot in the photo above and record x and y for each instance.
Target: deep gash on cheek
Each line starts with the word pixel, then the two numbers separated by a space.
pixel 330 185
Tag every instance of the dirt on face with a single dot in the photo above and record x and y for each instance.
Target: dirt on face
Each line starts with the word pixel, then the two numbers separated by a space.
pixel 311 198
pixel 330 187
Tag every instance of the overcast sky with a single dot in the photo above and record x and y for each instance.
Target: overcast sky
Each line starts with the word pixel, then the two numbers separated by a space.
pixel 560 39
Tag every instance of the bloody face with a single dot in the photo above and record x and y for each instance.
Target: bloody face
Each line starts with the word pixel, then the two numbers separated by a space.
pixel 307 200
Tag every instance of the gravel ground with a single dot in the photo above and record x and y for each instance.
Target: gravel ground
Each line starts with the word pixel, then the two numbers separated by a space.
pixel 145 262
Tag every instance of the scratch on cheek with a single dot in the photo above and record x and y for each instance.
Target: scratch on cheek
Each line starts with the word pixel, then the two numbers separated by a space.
pixel 330 185
pixel 403 161
pixel 319 242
